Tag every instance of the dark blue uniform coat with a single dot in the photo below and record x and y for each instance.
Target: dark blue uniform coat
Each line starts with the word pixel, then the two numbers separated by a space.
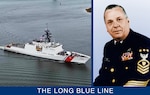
pixel 125 63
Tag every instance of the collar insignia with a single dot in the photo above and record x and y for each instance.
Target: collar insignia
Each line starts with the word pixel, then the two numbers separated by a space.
pixel 127 55
pixel 143 64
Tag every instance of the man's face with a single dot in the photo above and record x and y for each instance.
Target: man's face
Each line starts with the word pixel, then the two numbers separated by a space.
pixel 117 23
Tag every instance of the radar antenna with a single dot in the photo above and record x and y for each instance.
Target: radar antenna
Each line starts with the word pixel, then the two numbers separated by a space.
pixel 48 34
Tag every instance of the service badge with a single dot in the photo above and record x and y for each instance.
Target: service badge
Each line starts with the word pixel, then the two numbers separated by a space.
pixel 143 64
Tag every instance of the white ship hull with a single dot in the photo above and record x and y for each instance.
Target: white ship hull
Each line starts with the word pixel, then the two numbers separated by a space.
pixel 76 59
pixel 46 48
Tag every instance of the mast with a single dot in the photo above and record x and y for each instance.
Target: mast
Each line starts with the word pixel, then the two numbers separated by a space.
pixel 48 34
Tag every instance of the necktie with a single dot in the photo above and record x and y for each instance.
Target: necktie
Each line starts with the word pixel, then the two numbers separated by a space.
pixel 118 43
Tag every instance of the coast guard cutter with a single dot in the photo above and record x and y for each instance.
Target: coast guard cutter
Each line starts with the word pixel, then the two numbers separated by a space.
pixel 46 48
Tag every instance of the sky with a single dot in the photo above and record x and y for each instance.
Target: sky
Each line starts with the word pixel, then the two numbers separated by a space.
pixel 138 12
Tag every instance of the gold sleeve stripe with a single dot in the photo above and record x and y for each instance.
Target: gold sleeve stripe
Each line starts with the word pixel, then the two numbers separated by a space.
pixel 134 83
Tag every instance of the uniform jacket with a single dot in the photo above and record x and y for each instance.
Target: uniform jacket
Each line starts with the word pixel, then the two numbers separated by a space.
pixel 126 63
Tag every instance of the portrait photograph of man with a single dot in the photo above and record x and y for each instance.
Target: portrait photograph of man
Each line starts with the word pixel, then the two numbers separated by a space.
pixel 121 43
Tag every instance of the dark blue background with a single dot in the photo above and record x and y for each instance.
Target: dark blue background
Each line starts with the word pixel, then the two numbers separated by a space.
pixel 33 91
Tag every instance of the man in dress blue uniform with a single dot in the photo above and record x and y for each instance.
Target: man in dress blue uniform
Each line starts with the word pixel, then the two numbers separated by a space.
pixel 126 57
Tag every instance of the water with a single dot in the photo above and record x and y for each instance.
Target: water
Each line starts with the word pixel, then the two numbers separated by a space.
pixel 24 20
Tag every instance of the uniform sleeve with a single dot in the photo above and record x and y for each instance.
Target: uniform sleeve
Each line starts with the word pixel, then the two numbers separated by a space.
pixel 141 74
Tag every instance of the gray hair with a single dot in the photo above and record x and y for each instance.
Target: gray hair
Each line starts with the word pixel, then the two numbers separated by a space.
pixel 114 6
